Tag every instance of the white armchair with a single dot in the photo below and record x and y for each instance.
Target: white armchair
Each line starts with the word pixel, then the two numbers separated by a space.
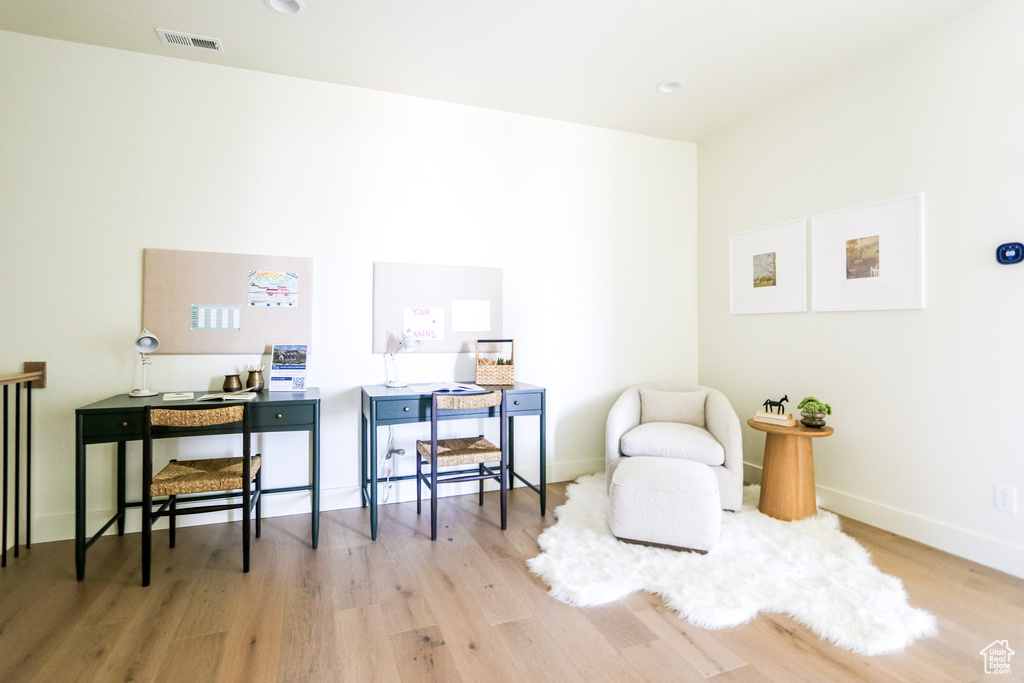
pixel 691 423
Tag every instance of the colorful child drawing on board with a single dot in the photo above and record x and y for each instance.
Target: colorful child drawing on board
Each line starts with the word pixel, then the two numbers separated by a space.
pixel 273 289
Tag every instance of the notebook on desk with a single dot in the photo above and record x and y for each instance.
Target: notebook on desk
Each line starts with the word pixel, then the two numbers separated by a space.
pixel 178 396
pixel 240 395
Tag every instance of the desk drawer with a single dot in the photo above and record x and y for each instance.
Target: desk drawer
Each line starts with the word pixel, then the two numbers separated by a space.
pixel 112 426
pixel 413 409
pixel 285 417
pixel 524 403
pixel 417 409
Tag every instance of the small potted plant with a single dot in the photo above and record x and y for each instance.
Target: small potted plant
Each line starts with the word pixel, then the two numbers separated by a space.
pixel 814 412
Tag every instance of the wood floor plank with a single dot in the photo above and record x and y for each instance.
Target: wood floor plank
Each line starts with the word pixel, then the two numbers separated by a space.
pixel 696 646
pixel 81 653
pixel 583 645
pixel 351 577
pixel 364 646
pixel 402 600
pixel 308 642
pixel 30 630
pixel 148 633
pixel 253 644
pixel 656 661
pixel 519 540
pixel 743 674
pixel 190 659
pixel 471 642
pixel 534 652
pixel 463 557
pixel 784 650
pixel 422 655
pixel 619 625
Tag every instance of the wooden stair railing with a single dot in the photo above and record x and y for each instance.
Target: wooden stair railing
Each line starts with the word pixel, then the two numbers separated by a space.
pixel 34 376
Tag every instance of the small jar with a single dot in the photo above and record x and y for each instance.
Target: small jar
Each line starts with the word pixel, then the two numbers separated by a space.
pixel 254 381
pixel 232 383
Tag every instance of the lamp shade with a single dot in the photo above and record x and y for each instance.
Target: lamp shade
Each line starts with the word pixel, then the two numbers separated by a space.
pixel 146 342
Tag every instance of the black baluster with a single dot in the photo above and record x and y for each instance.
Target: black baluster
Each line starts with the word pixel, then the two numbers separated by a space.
pixel 3 533
pixel 17 466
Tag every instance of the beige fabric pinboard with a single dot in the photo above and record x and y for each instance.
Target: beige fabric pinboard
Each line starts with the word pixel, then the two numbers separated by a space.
pixel 174 280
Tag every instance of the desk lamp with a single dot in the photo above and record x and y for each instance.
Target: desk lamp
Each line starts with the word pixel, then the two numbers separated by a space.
pixel 407 342
pixel 144 343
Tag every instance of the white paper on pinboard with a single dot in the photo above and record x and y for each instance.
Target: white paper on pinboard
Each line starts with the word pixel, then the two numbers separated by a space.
pixel 471 315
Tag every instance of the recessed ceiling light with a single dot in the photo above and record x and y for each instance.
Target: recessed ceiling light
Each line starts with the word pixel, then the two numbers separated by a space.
pixel 286 6
pixel 669 86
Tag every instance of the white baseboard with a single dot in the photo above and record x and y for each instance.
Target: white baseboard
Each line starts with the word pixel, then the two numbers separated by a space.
pixel 991 552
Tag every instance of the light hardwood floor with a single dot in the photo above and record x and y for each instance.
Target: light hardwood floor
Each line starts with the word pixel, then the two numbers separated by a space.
pixel 464 608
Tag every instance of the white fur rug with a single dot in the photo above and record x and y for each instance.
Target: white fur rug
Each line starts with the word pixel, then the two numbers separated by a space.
pixel 808 570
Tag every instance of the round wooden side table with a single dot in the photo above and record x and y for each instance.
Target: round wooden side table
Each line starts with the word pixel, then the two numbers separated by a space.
pixel 787 480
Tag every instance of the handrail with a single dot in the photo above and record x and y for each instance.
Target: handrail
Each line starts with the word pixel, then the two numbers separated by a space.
pixel 20 377
pixel 33 376
pixel 34 372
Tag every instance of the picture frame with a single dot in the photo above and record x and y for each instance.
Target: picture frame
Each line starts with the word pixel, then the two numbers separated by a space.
pixel 768 269
pixel 869 257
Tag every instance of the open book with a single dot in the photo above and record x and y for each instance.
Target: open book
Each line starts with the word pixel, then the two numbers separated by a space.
pixel 240 395
pixel 448 386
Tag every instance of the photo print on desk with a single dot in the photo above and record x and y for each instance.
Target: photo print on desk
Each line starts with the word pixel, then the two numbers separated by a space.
pixel 288 367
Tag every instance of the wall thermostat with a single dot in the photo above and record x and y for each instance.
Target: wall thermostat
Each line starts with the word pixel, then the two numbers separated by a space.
pixel 1011 252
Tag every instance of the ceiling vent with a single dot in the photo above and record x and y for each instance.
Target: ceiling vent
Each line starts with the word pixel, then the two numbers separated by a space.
pixel 189 40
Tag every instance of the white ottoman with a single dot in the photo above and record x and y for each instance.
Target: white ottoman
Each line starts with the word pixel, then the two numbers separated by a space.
pixel 665 501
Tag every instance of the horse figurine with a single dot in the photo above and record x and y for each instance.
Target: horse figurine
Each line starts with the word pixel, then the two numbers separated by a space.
pixel 769 405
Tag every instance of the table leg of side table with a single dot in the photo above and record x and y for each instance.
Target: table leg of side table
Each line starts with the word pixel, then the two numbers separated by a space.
pixel 787 480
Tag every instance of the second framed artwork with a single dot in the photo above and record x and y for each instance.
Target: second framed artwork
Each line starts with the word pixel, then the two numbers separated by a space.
pixel 767 269
pixel 870 257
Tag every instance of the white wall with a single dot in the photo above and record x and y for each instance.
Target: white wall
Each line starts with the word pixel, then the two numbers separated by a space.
pixel 927 403
pixel 104 153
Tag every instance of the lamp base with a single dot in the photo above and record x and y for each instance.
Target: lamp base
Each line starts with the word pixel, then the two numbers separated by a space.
pixel 395 384
pixel 139 393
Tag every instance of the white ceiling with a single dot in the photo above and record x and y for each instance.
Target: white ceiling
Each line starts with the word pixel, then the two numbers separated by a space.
pixel 594 62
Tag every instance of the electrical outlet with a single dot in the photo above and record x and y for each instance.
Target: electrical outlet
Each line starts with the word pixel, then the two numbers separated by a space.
pixel 1006 498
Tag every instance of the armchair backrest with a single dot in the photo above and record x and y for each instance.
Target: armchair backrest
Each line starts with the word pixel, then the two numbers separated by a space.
pixel 720 420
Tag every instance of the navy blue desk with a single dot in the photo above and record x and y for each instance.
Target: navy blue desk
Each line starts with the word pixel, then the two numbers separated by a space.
pixel 118 419
pixel 383 406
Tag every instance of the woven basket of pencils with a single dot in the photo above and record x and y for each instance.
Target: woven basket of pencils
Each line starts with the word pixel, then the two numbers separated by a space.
pixel 494 367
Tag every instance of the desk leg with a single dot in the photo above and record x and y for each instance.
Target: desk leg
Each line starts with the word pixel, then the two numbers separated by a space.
pixel 372 464
pixel 315 456
pixel 79 500
pixel 543 455
pixel 511 452
pixel 362 458
pixel 121 514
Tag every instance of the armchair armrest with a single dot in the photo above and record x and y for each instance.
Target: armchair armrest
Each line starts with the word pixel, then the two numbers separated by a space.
pixel 724 425
pixel 624 415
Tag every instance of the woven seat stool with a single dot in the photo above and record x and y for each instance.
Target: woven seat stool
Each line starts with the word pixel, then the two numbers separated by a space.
pixel 665 502
pixel 197 481
pixel 476 450
pixel 182 477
